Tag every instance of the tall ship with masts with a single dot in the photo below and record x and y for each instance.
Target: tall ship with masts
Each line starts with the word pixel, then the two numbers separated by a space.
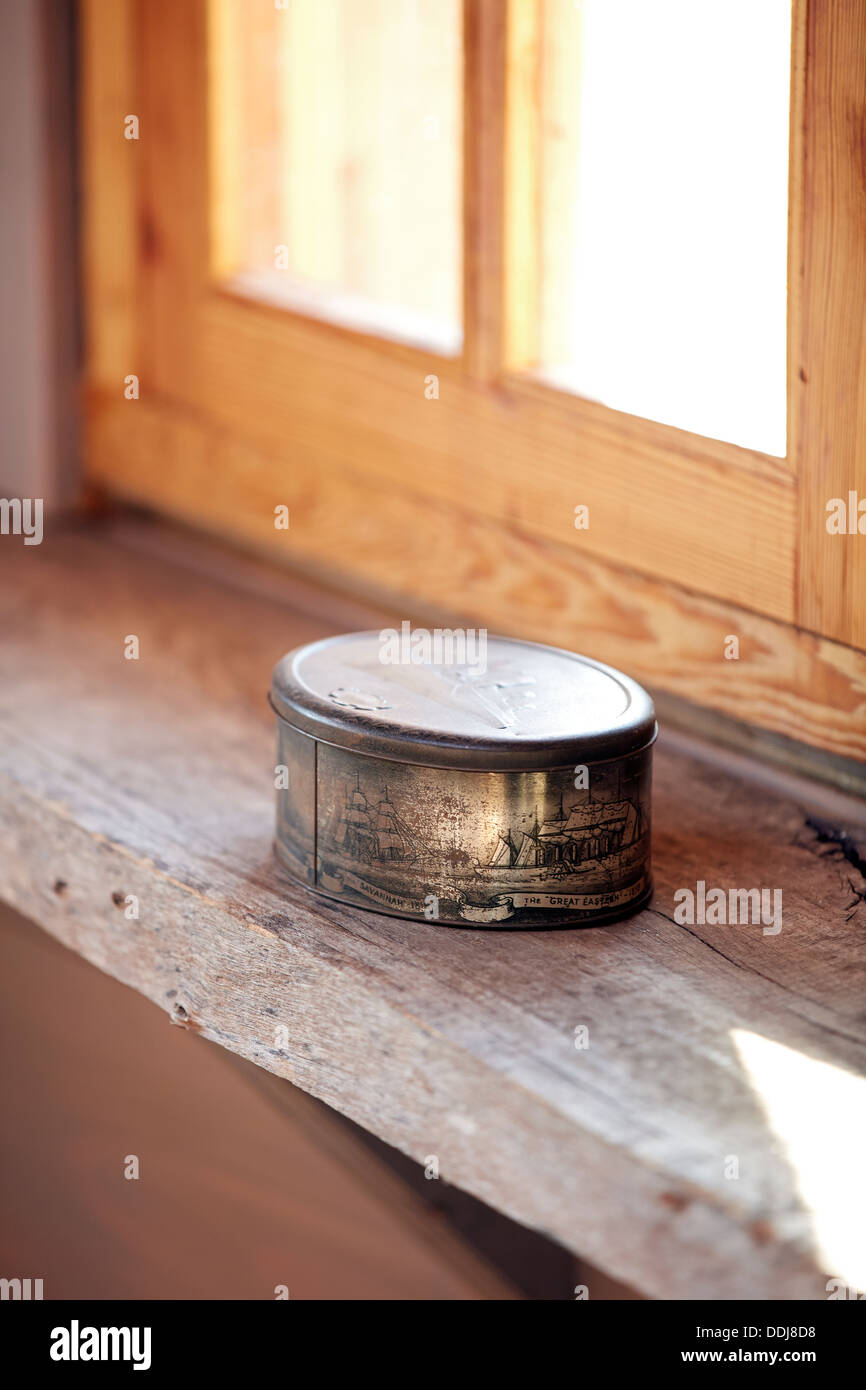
pixel 590 839
pixel 583 848
pixel 373 831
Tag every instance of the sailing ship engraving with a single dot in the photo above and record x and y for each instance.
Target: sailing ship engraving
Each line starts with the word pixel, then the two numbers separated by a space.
pixel 589 838
pixel 370 833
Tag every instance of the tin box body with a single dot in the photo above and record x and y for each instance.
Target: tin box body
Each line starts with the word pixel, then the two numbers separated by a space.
pixel 512 791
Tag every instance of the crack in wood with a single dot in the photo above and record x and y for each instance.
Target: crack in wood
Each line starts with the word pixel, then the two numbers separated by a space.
pixel 841 846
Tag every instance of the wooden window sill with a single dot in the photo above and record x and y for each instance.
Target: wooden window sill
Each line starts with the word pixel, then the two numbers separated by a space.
pixel 154 778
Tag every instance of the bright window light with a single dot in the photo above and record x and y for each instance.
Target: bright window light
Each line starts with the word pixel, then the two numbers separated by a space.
pixel 676 291
pixel 817 1112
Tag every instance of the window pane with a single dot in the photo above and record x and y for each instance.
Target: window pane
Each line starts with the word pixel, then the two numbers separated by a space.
pixel 664 196
pixel 336 160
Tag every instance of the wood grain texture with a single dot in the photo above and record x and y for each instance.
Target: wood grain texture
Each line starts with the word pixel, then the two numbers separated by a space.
pixel 832 427
pixel 484 79
pixel 441 558
pixel 172 191
pixel 523 183
pixel 110 171
pixel 521 455
pixel 154 777
pixel 796 175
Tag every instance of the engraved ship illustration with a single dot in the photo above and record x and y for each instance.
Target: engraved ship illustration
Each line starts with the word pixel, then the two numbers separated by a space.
pixel 588 838
pixel 581 850
pixel 369 834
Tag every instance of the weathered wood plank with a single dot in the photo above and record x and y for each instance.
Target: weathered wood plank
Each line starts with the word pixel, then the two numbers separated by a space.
pixel 154 778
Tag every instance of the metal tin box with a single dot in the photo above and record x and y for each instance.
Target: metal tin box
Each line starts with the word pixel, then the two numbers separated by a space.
pixel 508 791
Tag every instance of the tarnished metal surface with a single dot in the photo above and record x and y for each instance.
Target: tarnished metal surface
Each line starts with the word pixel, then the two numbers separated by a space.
pixel 515 795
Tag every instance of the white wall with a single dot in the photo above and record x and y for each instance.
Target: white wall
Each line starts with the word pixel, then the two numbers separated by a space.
pixel 37 253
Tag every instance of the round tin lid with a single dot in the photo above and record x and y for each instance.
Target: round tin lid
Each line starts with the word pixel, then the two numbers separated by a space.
pixel 465 700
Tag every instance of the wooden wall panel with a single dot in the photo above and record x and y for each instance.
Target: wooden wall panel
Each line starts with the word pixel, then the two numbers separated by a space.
pixel 110 170
pixel 440 561
pixel 483 185
pixel 832 369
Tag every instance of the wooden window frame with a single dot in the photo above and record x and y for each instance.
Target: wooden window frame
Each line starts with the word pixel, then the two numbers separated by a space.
pixel 245 406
